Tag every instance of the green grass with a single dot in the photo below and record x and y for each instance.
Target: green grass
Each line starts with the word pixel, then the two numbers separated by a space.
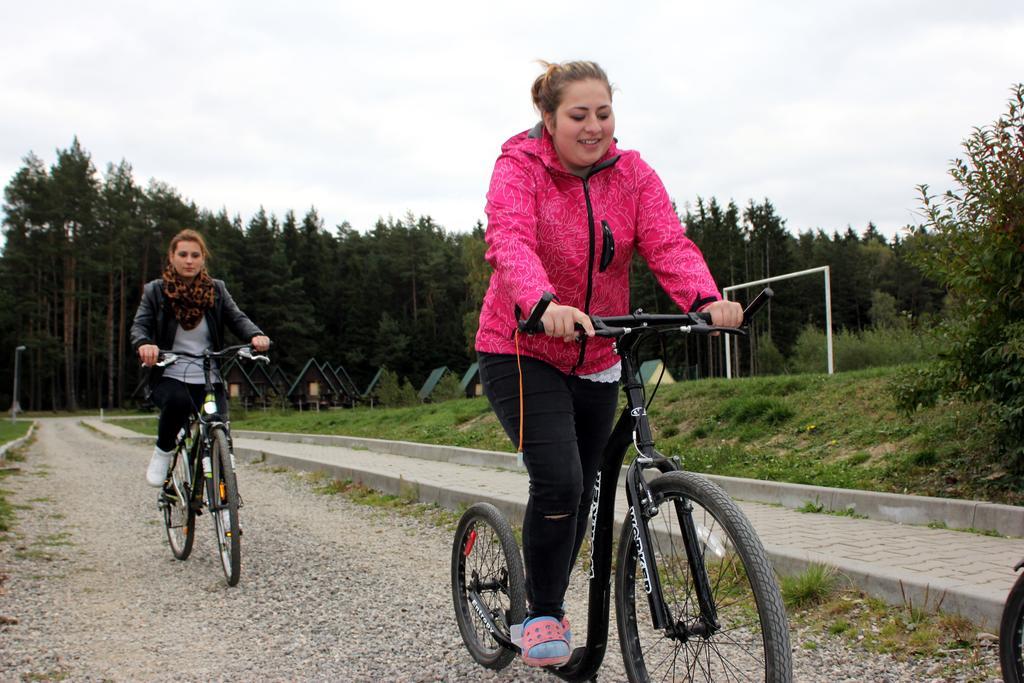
pixel 814 507
pixel 405 503
pixel 842 430
pixel 906 632
pixel 9 431
pixel 147 427
pixel 7 516
pixel 812 587
pixel 969 530
pixel 464 422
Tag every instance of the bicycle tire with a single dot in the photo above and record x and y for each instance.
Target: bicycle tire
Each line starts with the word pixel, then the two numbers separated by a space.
pixel 486 559
pixel 225 517
pixel 178 514
pixel 753 641
pixel 1011 634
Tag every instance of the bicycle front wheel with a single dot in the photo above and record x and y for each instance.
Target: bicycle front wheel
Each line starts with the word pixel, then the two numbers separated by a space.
pixel 1011 634
pixel 487 583
pixel 224 507
pixel 751 639
pixel 176 503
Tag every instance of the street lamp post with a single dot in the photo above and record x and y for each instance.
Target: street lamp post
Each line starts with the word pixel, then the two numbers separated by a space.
pixel 15 406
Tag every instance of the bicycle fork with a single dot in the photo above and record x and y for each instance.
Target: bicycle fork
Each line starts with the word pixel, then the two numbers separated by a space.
pixel 641 510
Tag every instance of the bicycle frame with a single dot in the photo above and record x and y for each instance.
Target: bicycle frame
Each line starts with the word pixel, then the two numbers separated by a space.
pixel 208 419
pixel 633 427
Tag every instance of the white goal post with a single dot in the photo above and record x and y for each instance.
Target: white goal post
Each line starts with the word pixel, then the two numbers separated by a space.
pixel 787 276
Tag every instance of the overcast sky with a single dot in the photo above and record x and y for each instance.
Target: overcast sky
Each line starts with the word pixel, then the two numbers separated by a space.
pixel 834 111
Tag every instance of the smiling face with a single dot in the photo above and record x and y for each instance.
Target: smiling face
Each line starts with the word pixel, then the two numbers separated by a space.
pixel 583 125
pixel 187 259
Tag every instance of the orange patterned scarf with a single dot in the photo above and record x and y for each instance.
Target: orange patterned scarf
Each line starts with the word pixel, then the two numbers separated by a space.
pixel 188 300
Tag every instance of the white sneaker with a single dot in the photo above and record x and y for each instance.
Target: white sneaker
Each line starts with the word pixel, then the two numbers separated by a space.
pixel 156 473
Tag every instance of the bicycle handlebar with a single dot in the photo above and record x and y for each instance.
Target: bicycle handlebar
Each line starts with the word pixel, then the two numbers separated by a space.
pixel 243 350
pixel 618 326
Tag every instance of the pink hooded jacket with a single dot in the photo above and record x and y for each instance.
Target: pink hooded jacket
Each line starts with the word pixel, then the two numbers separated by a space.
pixel 550 230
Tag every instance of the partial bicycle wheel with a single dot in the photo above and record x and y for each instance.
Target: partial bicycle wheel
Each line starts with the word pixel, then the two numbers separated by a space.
pixel 224 507
pixel 1011 634
pixel 487 579
pixel 751 642
pixel 178 513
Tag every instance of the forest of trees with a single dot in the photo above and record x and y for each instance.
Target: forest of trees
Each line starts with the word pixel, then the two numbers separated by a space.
pixel 403 294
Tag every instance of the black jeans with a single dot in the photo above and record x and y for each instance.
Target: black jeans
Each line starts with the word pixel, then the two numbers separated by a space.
pixel 567 421
pixel 176 401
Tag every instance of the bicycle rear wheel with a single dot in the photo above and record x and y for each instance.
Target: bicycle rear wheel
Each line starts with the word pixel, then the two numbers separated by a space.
pixel 175 501
pixel 224 507
pixel 487 577
pixel 1011 634
pixel 752 643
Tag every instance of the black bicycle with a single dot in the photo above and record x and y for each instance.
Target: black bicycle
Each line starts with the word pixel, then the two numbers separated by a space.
pixel 202 473
pixel 695 593
pixel 1011 632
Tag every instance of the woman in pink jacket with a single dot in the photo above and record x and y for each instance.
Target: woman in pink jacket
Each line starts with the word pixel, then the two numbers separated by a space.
pixel 565 210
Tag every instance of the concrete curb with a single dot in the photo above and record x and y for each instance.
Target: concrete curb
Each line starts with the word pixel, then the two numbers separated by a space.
pixel 1006 520
pixel 10 445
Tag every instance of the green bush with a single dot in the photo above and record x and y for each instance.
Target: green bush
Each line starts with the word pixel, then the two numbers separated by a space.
pixel 447 389
pixel 770 360
pixel 393 391
pixel 971 242
pixel 769 411
pixel 879 347
pixel 809 353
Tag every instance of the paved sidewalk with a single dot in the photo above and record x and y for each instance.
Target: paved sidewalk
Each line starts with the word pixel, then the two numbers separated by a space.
pixel 969 573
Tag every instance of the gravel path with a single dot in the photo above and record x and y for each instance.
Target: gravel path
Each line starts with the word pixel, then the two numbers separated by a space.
pixel 330 590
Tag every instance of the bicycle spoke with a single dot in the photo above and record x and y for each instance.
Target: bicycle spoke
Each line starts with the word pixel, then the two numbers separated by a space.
pixel 485 561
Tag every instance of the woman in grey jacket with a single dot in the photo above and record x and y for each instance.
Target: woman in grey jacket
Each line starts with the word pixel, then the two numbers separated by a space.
pixel 184 310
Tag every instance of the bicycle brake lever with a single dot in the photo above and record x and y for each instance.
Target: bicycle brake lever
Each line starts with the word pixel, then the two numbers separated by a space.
pixel 167 360
pixel 246 352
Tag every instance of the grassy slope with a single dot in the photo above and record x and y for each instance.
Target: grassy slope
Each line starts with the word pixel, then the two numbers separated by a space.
pixel 842 430
pixel 9 431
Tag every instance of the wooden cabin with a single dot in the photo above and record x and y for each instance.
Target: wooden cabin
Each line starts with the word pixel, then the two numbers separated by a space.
pixel 470 383
pixel 282 383
pixel 428 387
pixel 311 390
pixel 347 385
pixel 371 389
pixel 239 386
pixel 331 390
pixel 347 394
pixel 268 392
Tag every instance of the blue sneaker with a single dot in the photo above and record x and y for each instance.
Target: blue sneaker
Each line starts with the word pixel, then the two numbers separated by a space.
pixel 544 642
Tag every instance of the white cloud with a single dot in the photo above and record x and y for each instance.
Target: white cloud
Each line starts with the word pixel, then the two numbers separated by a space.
pixel 833 111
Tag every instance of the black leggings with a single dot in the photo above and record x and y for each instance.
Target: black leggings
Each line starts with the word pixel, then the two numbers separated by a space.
pixel 176 401
pixel 567 421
